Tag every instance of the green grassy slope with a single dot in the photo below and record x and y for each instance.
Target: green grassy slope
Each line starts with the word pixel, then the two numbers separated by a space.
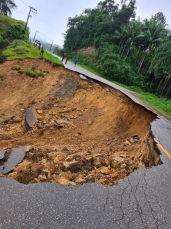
pixel 21 49
pixel 5 22
pixel 49 56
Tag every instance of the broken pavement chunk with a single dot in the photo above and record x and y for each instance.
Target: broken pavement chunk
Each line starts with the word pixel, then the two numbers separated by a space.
pixel 83 77
pixel 31 117
pixel 2 154
pixel 15 158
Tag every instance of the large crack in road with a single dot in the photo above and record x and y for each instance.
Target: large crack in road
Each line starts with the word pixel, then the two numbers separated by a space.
pixel 85 131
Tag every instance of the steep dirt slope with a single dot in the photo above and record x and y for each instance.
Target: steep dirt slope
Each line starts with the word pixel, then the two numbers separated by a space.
pixel 86 131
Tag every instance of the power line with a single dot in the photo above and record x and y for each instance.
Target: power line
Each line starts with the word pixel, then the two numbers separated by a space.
pixel 24 3
pixel 46 36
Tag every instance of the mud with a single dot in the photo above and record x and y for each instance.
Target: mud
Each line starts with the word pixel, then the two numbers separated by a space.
pixel 85 131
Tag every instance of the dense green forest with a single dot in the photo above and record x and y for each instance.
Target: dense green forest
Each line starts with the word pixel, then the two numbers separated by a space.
pixel 130 51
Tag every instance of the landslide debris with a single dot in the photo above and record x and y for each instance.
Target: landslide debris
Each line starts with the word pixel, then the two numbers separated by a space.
pixel 85 131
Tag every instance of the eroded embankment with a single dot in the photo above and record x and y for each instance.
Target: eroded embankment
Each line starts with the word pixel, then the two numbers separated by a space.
pixel 85 132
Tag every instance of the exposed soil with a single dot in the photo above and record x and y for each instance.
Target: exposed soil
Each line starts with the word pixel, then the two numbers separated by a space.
pixel 85 132
pixel 89 50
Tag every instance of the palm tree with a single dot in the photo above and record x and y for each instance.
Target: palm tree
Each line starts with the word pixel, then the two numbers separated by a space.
pixel 162 60
pixel 6 7
pixel 154 35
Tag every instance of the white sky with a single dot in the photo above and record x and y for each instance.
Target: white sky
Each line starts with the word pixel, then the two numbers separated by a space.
pixel 52 15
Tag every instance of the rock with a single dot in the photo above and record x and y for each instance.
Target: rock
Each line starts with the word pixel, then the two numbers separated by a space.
pixel 141 165
pixel 107 161
pixel 127 143
pixel 39 112
pixel 55 104
pixel 39 126
pixel 65 181
pixel 42 177
pixel 57 156
pixel 118 159
pixel 31 117
pixel 131 140
pixel 90 122
pixel 58 172
pixel 39 117
pixel 74 162
pixel 65 150
pixel 104 170
pixel 123 166
pixel 79 180
pixel 44 161
pixel 17 119
pixel 16 156
pixel 73 166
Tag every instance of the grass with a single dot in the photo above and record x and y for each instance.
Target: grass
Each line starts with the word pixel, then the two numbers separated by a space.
pixel 15 68
pixel 162 105
pixel 155 101
pixel 1 77
pixel 49 56
pixel 19 49
pixel 28 72
pixel 5 22
pixel 31 73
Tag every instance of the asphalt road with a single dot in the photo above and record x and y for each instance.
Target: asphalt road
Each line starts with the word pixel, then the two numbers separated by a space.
pixel 142 200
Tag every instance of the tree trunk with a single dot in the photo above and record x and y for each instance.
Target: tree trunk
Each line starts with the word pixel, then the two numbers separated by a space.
pixel 128 51
pixel 123 51
pixel 139 57
pixel 141 62
pixel 168 90
pixel 122 45
pixel 165 84
pixel 160 84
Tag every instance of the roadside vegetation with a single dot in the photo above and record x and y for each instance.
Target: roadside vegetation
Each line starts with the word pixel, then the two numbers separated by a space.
pixel 129 51
pixel 19 49
pixel 49 56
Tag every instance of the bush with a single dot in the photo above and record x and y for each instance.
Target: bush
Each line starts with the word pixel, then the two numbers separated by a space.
pixel 17 31
pixel 3 43
pixel 31 73
pixel 15 68
pixel 2 58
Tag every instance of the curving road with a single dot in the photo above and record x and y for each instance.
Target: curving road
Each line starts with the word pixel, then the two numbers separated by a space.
pixel 142 200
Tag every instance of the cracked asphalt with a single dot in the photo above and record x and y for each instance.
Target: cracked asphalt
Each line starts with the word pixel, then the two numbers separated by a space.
pixel 142 200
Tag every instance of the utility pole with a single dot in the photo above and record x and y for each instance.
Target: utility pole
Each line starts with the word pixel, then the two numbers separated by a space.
pixel 51 46
pixel 35 35
pixel 31 10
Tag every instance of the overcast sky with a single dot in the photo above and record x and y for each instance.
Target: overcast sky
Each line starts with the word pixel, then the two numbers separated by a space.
pixel 52 15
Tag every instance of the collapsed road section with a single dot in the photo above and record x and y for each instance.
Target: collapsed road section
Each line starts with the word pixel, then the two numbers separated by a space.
pixel 83 131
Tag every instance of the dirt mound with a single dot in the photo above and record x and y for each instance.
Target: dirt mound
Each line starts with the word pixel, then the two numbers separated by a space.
pixel 85 131
pixel 89 50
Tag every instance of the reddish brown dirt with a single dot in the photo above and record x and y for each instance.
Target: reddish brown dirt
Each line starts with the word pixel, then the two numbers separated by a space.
pixel 86 132
pixel 89 50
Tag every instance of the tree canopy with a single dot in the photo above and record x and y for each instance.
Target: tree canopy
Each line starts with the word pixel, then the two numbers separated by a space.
pixel 131 51
pixel 6 7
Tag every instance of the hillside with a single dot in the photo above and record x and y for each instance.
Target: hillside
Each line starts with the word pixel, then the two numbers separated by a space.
pixel 6 22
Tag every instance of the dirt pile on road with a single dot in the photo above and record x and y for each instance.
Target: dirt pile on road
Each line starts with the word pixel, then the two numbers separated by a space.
pixel 85 131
